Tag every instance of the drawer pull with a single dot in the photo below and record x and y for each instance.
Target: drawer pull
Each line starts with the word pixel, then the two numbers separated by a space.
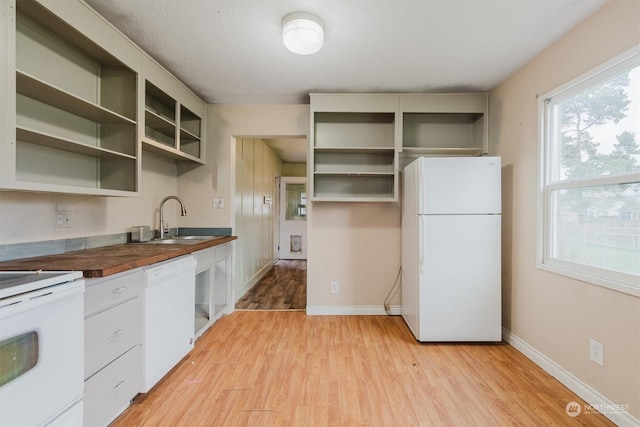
pixel 118 291
pixel 117 386
pixel 115 334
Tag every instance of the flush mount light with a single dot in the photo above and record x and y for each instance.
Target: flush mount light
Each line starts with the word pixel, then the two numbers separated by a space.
pixel 302 33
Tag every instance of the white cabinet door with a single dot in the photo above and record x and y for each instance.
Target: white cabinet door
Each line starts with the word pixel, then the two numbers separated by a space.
pixel 107 393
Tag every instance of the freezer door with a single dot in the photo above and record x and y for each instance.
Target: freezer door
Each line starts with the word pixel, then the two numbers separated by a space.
pixel 460 286
pixel 459 185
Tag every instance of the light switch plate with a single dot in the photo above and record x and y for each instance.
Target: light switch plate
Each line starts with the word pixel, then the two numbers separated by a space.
pixel 218 203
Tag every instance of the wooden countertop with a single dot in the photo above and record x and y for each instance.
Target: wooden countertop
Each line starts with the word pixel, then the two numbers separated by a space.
pixel 107 260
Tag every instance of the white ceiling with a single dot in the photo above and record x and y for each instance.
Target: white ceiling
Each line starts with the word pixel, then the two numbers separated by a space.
pixel 290 150
pixel 231 51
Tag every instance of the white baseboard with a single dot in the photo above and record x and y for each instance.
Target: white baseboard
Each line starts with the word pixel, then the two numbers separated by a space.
pixel 619 416
pixel 351 310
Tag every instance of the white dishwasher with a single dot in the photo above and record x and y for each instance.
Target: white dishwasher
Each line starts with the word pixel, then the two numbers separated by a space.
pixel 169 309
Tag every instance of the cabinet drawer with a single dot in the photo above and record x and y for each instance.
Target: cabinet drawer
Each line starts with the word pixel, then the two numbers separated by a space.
pixel 107 292
pixel 205 258
pixel 109 334
pixel 108 393
pixel 223 251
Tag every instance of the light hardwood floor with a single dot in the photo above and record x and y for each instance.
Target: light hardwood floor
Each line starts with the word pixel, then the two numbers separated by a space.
pixel 258 368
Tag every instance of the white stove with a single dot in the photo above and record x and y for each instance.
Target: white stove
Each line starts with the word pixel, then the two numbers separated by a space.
pixel 41 348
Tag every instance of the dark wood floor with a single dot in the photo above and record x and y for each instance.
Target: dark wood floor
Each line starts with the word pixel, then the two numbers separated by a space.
pixel 283 288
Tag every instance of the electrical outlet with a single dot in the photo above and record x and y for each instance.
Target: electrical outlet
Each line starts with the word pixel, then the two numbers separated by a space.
pixel 62 219
pixel 596 352
pixel 335 287
pixel 218 203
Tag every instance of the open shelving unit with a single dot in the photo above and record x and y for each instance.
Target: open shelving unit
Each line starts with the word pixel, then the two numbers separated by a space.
pixel 354 156
pixel 75 118
pixel 80 101
pixel 160 117
pixel 171 128
pixel 360 142
pixel 443 125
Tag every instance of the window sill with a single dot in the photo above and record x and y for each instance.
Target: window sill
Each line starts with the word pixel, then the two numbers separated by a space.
pixel 592 280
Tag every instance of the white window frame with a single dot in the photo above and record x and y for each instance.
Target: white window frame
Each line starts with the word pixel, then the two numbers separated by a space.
pixel 622 282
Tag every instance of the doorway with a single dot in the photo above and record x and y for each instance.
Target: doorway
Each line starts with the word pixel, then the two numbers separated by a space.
pixel 260 163
pixel 292 218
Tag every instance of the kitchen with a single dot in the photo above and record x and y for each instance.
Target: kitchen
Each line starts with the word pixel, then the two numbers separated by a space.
pixel 371 231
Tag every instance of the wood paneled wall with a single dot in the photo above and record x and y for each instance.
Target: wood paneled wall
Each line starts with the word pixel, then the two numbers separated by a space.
pixel 257 167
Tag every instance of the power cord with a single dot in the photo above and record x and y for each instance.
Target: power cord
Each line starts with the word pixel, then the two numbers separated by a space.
pixel 392 292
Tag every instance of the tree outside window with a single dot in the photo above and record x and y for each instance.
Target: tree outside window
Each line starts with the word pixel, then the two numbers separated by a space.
pixel 592 175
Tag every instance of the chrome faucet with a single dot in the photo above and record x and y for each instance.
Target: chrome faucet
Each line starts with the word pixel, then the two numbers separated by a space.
pixel 183 212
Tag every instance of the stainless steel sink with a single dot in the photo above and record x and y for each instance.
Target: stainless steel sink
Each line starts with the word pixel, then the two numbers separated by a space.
pixel 181 240
pixel 171 241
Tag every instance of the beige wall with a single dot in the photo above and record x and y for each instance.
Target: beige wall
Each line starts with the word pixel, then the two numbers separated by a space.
pixel 199 185
pixel 557 315
pixel 358 245
pixel 227 126
pixel 256 169
pixel 28 217
pixel 294 169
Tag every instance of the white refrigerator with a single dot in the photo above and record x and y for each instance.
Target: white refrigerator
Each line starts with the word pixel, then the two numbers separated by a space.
pixel 451 226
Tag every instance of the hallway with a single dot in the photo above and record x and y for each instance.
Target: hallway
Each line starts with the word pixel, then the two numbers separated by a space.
pixel 284 287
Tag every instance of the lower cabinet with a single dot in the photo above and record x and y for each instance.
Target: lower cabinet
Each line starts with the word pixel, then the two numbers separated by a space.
pixel 113 336
pixel 116 367
pixel 109 392
pixel 213 286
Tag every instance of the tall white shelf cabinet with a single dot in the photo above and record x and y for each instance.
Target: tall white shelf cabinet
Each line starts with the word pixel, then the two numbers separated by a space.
pixel 360 142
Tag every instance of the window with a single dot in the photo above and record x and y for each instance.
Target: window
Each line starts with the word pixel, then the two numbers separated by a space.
pixel 590 176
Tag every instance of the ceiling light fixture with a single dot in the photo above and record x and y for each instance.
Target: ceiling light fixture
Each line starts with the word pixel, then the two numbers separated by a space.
pixel 302 33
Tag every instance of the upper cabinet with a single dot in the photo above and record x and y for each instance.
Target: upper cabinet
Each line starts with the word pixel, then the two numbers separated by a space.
pixel 71 102
pixel 352 153
pixel 443 125
pixel 359 142
pixel 77 98
pixel 173 116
